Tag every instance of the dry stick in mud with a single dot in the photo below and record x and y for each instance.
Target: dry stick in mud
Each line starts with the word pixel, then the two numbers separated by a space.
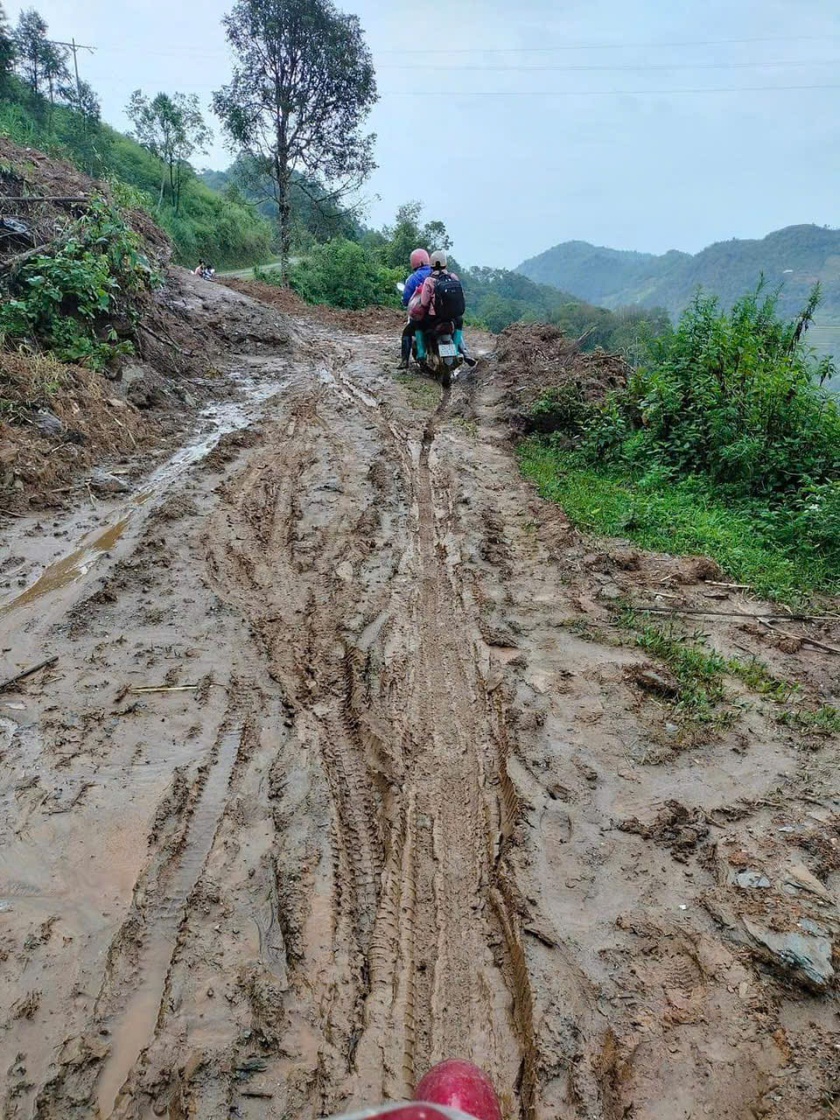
pixel 799 637
pixel 168 688
pixel 48 664
pixel 22 258
pixel 165 341
pixel 708 613
pixel 71 200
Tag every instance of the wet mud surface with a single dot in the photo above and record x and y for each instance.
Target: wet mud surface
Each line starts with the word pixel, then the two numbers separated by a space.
pixel 336 777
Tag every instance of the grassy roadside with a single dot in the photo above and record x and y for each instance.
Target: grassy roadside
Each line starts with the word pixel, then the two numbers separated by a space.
pixel 681 518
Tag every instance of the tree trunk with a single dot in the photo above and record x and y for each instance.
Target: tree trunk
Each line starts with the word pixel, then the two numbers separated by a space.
pixel 284 215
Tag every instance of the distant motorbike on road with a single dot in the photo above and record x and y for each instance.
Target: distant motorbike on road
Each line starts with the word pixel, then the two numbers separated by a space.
pixel 438 354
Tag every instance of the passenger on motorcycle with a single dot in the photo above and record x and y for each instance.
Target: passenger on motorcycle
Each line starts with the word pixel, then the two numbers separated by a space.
pixel 421 270
pixel 437 289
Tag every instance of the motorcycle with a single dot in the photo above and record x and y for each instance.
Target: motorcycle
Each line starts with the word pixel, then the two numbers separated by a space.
pixel 436 351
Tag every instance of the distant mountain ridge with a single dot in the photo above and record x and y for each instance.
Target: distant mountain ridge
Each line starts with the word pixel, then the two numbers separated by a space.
pixel 795 257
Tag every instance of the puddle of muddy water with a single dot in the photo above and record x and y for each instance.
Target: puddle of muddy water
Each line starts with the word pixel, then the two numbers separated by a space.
pixel 135 1028
pixel 70 567
pixel 216 421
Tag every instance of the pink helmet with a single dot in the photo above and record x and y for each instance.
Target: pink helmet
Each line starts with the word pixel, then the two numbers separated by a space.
pixel 419 259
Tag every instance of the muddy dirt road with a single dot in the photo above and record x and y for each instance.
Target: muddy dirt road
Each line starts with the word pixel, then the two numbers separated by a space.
pixel 330 782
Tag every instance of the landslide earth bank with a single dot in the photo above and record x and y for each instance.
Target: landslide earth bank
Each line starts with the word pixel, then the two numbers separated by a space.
pixel 58 422
pixel 413 801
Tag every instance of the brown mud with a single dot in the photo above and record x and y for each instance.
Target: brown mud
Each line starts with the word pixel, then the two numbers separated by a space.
pixel 398 795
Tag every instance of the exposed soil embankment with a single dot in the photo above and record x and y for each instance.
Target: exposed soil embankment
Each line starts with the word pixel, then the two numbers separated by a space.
pixel 59 421
pixel 370 320
pixel 532 360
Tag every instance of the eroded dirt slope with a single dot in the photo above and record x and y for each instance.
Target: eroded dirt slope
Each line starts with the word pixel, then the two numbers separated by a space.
pixel 399 797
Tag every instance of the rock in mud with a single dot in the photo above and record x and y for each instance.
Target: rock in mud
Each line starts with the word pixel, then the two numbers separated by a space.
pixel 48 424
pixel 805 957
pixel 658 681
pixel 106 485
pixel 752 880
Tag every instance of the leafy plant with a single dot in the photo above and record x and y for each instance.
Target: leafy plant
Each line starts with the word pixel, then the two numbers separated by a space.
pixel 68 301
pixel 727 443
pixel 342 274
pixel 735 398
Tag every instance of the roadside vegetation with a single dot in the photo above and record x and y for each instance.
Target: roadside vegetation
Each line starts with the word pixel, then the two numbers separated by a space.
pixel 79 301
pixel 702 691
pixel 200 222
pixel 725 442
pixel 42 106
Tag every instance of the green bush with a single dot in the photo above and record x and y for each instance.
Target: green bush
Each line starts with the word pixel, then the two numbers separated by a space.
pixel 67 302
pixel 345 274
pixel 726 444
pixel 735 398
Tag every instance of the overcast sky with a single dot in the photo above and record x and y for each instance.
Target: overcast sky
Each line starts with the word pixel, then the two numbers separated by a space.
pixel 643 125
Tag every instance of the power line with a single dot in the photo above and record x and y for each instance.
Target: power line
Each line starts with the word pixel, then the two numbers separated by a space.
pixel 611 46
pixel 180 50
pixel 643 67
pixel 598 92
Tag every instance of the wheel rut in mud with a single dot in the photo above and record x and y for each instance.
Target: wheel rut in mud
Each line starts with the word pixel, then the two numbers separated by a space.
pixel 367 634
pixel 377 828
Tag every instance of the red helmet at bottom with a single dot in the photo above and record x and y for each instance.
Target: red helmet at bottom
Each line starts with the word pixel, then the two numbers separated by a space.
pixel 419 259
pixel 461 1086
pixel 451 1091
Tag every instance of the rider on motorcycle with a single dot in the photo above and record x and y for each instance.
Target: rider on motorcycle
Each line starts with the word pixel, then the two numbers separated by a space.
pixel 440 271
pixel 421 270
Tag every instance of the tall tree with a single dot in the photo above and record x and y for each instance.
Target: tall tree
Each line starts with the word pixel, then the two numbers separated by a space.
pixel 83 99
pixel 407 234
pixel 303 85
pixel 55 70
pixel 33 49
pixel 172 128
pixel 7 50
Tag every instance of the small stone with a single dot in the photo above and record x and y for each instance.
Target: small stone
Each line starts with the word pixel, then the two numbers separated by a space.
pixel 657 681
pixel 101 482
pixel 610 593
pixel 752 880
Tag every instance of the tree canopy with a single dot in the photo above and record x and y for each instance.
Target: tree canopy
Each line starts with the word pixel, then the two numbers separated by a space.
pixel 303 84
pixel 7 50
pixel 171 127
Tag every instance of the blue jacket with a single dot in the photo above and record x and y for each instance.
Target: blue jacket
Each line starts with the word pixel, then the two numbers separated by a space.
pixel 415 281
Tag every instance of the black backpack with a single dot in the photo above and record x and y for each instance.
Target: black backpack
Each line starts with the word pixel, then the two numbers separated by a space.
pixel 449 298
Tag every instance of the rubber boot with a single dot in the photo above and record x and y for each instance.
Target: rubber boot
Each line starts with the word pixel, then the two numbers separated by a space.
pixel 462 349
pixel 420 339
pixel 405 351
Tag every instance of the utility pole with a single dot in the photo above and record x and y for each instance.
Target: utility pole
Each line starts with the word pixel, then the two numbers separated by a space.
pixel 75 48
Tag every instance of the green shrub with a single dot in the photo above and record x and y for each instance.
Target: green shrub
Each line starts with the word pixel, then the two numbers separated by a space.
pixel 734 398
pixel 67 301
pixel 726 444
pixel 345 274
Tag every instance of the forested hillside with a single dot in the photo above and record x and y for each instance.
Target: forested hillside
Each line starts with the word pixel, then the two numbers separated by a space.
pixel 795 258
pixel 201 222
